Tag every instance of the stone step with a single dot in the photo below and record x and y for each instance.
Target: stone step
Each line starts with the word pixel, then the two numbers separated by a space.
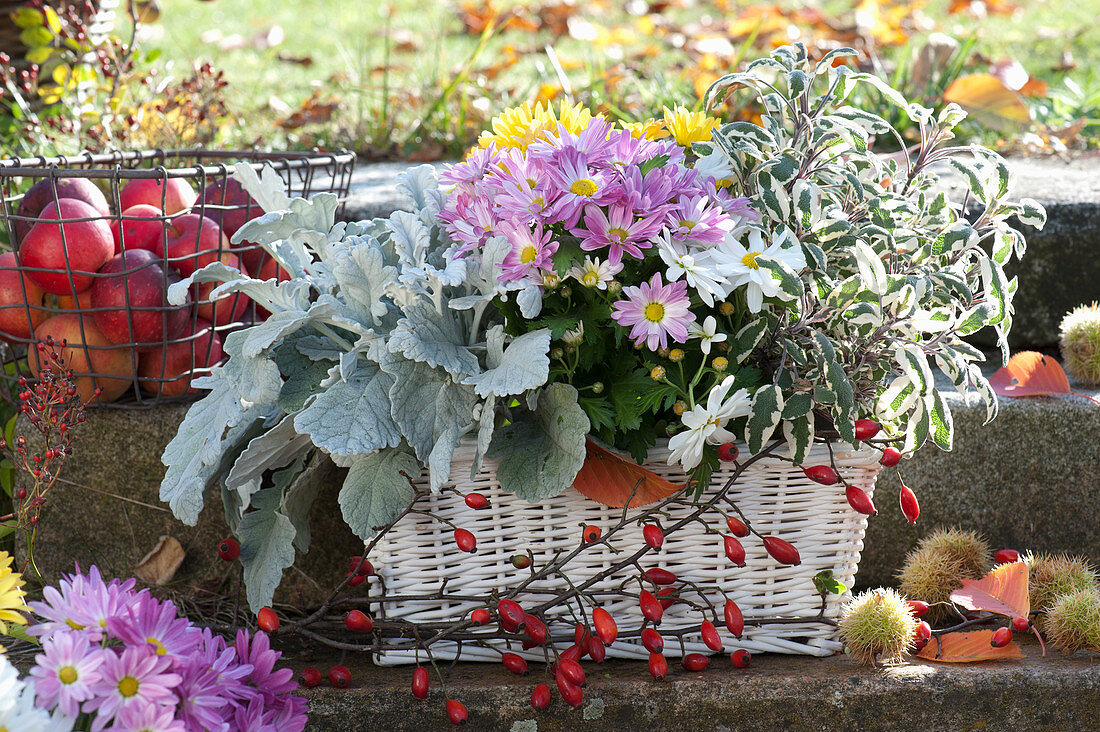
pixel 1061 269
pixel 774 693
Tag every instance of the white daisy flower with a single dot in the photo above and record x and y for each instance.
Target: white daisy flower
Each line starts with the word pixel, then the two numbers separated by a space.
pixel 697 270
pixel 594 273
pixel 707 424
pixel 738 262
pixel 706 333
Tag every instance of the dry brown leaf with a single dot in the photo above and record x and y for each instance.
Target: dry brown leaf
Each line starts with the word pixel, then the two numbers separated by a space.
pixel 990 102
pixel 312 111
pixel 159 566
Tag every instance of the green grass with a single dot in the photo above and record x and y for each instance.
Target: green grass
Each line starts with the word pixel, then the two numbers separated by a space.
pixel 397 99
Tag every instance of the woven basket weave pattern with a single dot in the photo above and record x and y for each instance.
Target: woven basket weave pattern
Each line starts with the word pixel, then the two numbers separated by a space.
pixel 418 554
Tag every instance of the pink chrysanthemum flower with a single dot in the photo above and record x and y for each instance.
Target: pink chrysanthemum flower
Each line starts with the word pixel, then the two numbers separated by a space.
pixel 157 623
pixel 65 672
pixel 619 230
pixel 591 142
pixel 264 680
pixel 211 678
pixel 473 169
pixel 654 311
pixel 135 676
pixel 523 188
pixel 83 603
pixel 143 717
pixel 573 185
pixel 697 218
pixel 531 251
pixel 474 221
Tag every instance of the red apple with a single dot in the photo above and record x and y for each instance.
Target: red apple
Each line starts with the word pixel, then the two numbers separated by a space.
pixel 201 350
pixel 88 245
pixel 142 227
pixel 42 193
pixel 135 300
pixel 231 206
pixel 88 351
pixel 272 271
pixel 193 242
pixel 170 195
pixel 231 308
pixel 20 301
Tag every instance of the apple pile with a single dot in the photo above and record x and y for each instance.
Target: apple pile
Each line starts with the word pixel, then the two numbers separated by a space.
pixel 100 281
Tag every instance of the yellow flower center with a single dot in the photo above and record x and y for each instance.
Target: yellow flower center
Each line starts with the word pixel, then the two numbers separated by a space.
pixel 74 625
pixel 749 260
pixel 584 187
pixel 590 279
pixel 528 254
pixel 685 224
pixel 724 183
pixel 618 232
pixel 161 650
pixel 654 312
pixel 128 686
pixel 67 675
pixel 532 182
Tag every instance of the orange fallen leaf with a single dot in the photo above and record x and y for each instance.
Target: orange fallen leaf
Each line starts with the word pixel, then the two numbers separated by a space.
pixel 989 101
pixel 1002 591
pixel 969 647
pixel 1029 373
pixel 610 479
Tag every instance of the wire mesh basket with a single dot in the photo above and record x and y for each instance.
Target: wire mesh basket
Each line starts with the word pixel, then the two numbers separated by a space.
pixel 92 242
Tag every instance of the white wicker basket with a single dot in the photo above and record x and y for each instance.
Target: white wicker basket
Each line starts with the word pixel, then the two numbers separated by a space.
pixel 418 554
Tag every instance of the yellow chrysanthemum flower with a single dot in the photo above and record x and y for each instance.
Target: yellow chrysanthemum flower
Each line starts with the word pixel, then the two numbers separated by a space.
pixel 650 129
pixel 522 125
pixel 687 127
pixel 11 595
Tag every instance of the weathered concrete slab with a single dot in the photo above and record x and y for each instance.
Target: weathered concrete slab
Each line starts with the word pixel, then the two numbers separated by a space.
pixel 1027 480
pixel 1061 269
pixel 107 511
pixel 775 693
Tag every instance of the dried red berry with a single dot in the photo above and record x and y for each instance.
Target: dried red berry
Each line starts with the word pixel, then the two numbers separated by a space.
pixel 1001 637
pixel 822 474
pixel 229 549
pixel 420 682
pixel 658 666
pixel 476 501
pixel 866 429
pixel 1006 556
pixel 357 580
pixel 734 551
pixel 572 653
pixel 741 658
pixel 668 596
pixel 465 540
pixel 310 677
pixel 580 634
pixel 917 607
pixel 511 615
pixel 651 608
pixel 360 566
pixel 358 621
pixel 659 576
pixel 596 649
pixel 571 693
pixel 1021 624
pixel 921 636
pixel 710 635
pixel 339 676
pixel 535 629
pixel 652 640
pixel 540 697
pixel 604 625
pixel 737 527
pixel 456 712
pixel 267 620
pixel 909 506
pixel 592 533
pixel 480 616
pixel 735 621
pixel 521 561
pixel 514 663
pixel 859 500
pixel 890 457
pixel 571 670
pixel 653 536
pixel 695 662
pixel 781 551
pixel 727 452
